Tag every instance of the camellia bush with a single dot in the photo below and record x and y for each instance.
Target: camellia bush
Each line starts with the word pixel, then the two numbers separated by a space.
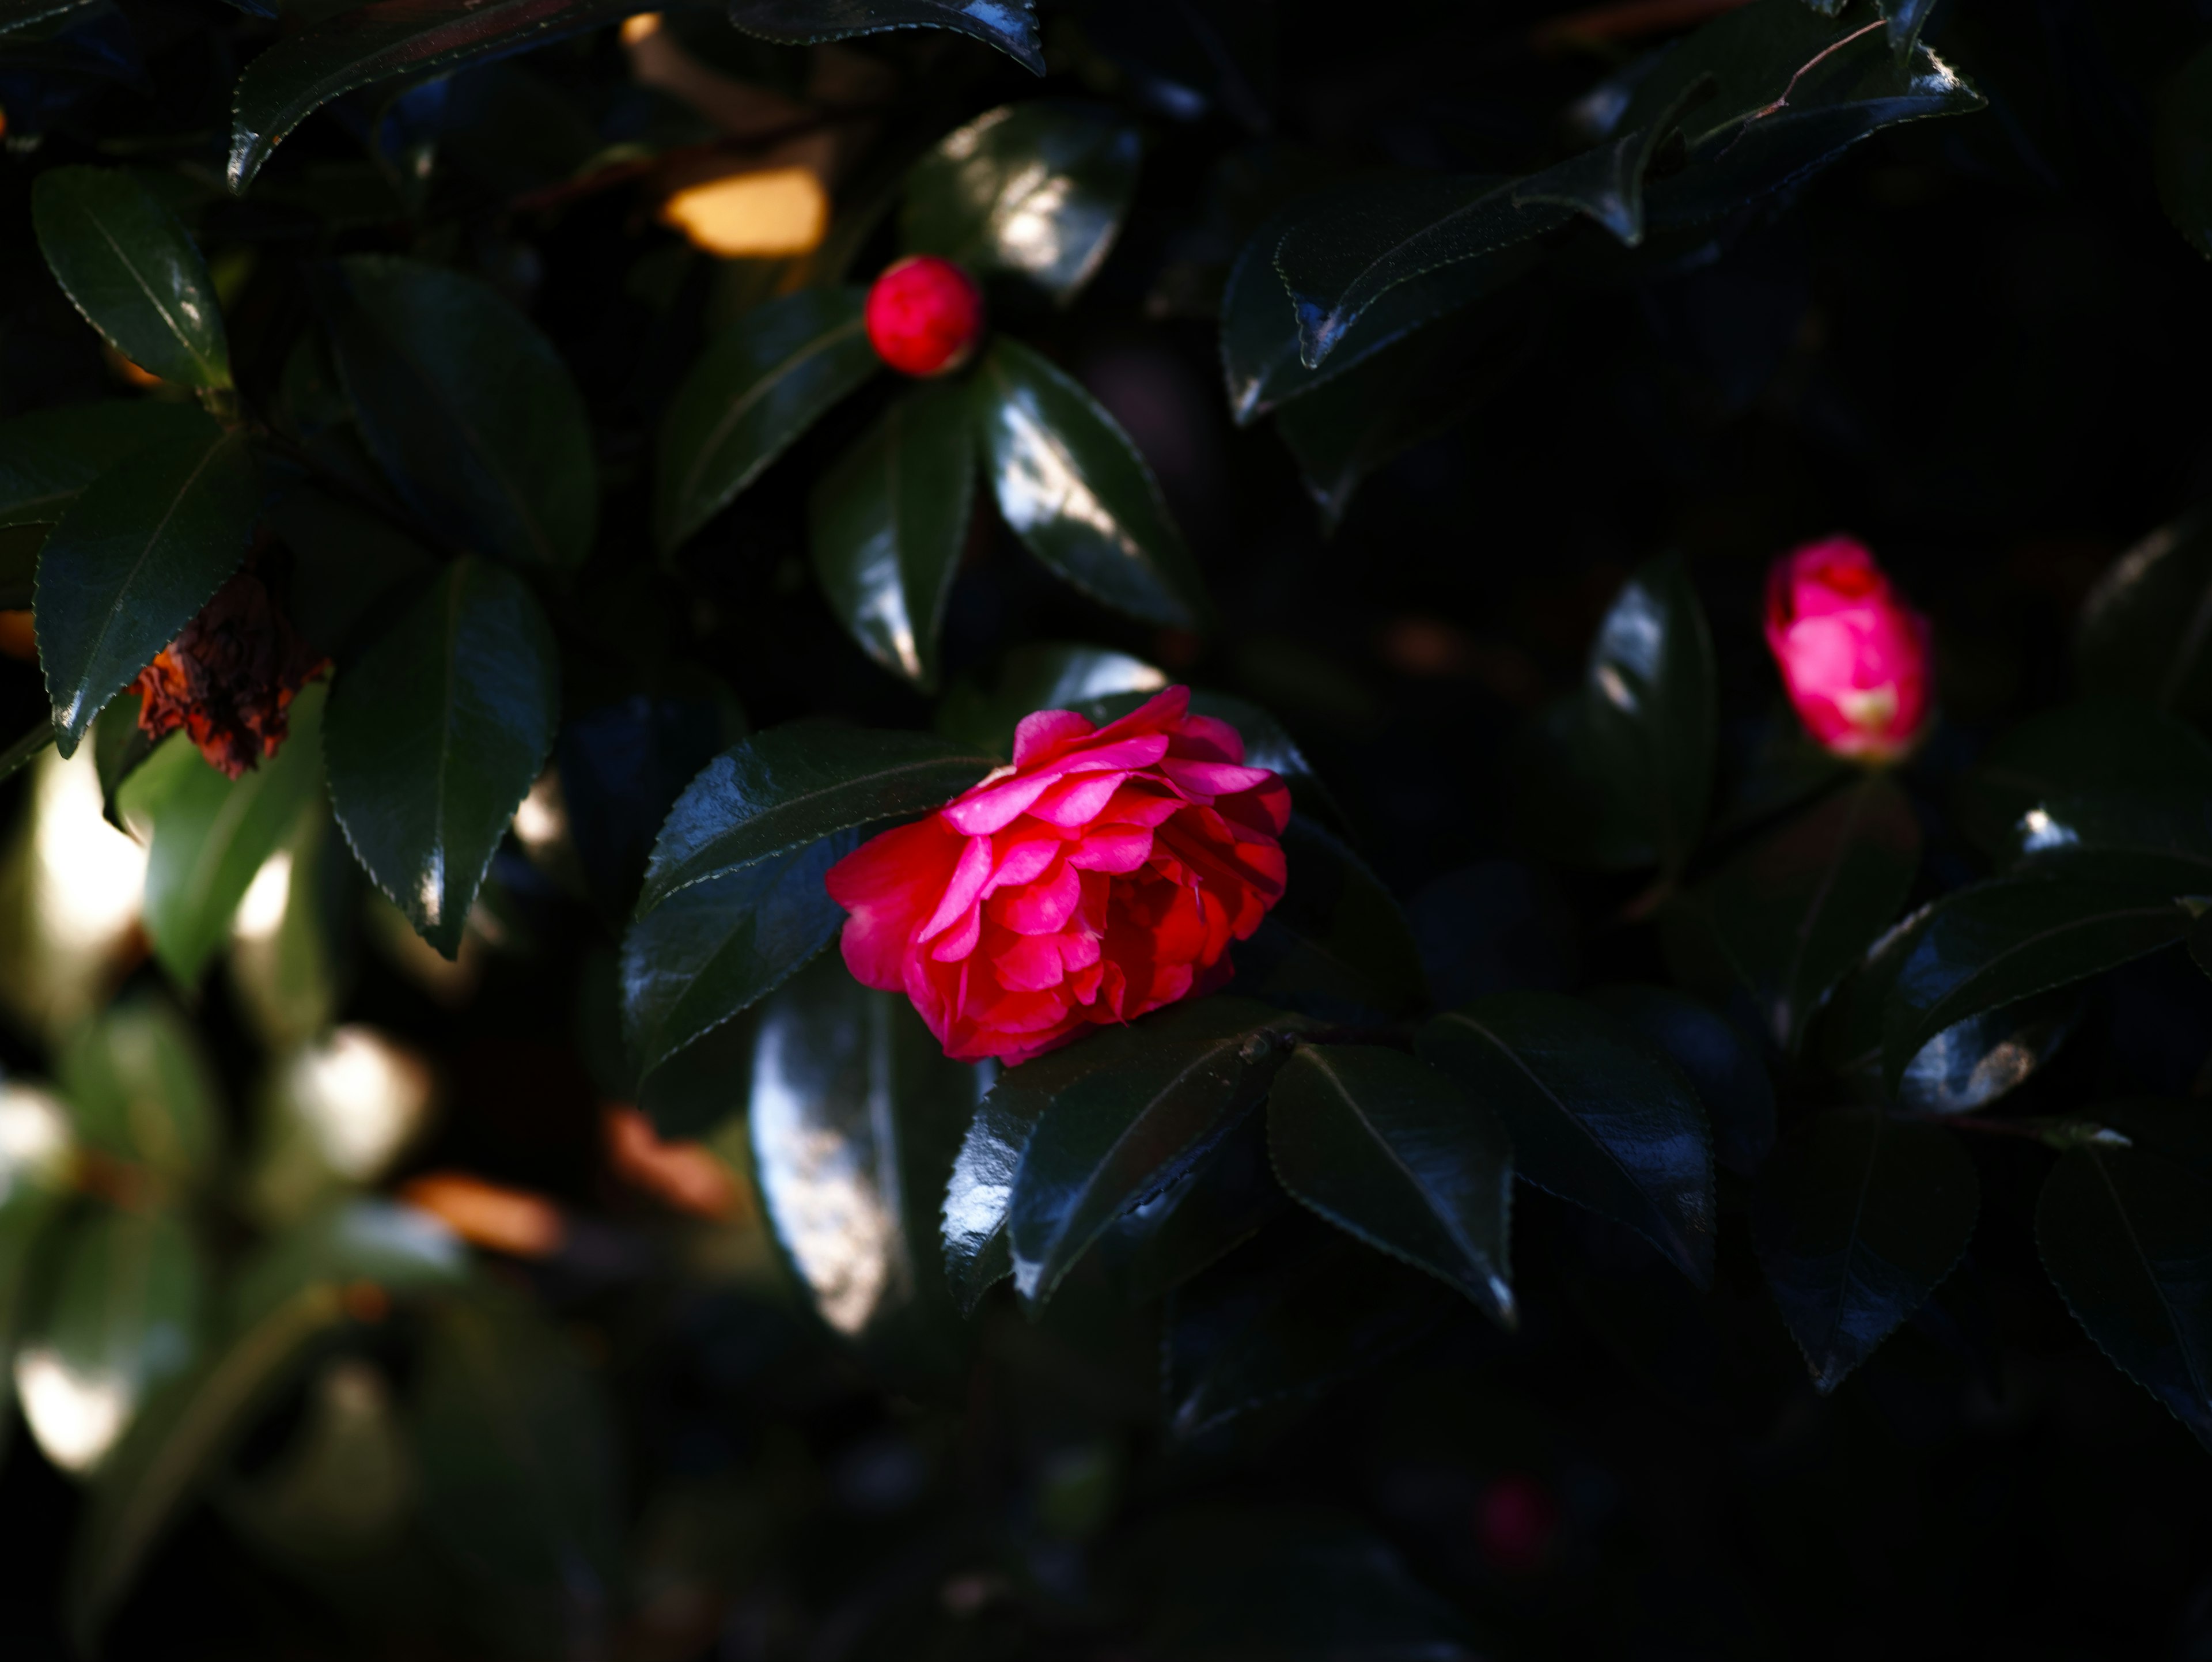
pixel 1192 829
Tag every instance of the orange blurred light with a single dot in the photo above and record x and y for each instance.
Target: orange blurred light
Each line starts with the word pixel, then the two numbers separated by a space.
pixel 685 1175
pixel 510 1220
pixel 129 372
pixel 769 214
pixel 640 26
pixel 17 637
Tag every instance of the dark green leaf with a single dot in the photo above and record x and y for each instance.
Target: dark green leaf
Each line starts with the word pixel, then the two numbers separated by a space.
pixel 2094 747
pixel 1040 676
pixel 1130 1109
pixel 382 41
pixel 434 735
pixel 36 1158
pixel 1037 189
pixel 2125 1226
pixel 887 524
pixel 284 1299
pixel 2183 151
pixel 1857 1218
pixel 973 1220
pixel 1222 1203
pixel 788 787
pixel 124 1313
pixel 1336 946
pixel 1009 25
pixel 2145 629
pixel 1078 493
pixel 763 383
pixel 1795 910
pixel 120 749
pixel 349 566
pixel 467 408
pixel 1902 21
pixel 207 836
pixel 856 1116
pixel 719 946
pixel 2002 940
pixel 133 558
pixel 1606 183
pixel 1598 1116
pixel 46 459
pixel 128 265
pixel 1283 1318
pixel 1385 1147
pixel 19 565
pixel 142 1091
pixel 1717 1059
pixel 1620 774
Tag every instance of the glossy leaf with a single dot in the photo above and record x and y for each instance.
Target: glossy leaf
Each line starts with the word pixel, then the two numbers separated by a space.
pixel 1620 774
pixel 1720 1063
pixel 1606 183
pixel 1902 21
pixel 972 1221
pixel 2143 632
pixel 2096 746
pixel 759 385
pixel 434 735
pixel 887 524
pixel 1858 1217
pixel 1074 490
pixel 465 406
pixel 1336 946
pixel 719 946
pixel 1388 1148
pixel 351 569
pixel 142 1091
pixel 1795 910
pixel 1129 1110
pixel 1223 1202
pixel 2182 149
pixel 130 562
pixel 287 1297
pixel 1009 25
pixel 2002 940
pixel 787 788
pixel 208 835
pixel 1598 1116
pixel 124 1313
pixel 129 267
pixel 1037 189
pixel 2125 1226
pixel 336 54
pixel 855 1117
pixel 47 459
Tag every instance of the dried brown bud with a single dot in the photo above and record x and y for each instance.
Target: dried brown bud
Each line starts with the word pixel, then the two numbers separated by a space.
pixel 228 678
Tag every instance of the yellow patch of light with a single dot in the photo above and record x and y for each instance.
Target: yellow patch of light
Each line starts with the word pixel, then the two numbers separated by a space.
pixel 362 1097
pixel 261 913
pixel 640 26
pixel 76 1417
pixel 773 213
pixel 90 875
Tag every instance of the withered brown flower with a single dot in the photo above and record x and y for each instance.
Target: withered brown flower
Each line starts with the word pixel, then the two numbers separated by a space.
pixel 229 677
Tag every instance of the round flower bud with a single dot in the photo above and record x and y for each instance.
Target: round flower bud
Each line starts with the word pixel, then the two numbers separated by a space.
pixel 1854 657
pixel 1104 874
pixel 924 316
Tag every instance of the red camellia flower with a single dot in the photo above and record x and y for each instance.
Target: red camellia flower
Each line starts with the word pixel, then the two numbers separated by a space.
pixel 229 678
pixel 1854 657
pixel 924 316
pixel 1102 875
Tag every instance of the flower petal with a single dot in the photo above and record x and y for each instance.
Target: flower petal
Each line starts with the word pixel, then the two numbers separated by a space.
pixel 964 888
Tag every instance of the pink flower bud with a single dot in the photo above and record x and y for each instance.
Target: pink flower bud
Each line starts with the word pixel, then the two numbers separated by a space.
pixel 1854 657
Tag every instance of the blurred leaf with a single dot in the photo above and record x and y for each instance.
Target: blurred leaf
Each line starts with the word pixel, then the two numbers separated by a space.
pixel 133 559
pixel 140 1089
pixel 2004 939
pixel 887 524
pixel 2142 634
pixel 345 1486
pixel 1598 1115
pixel 120 749
pixel 2182 148
pixel 1797 908
pixel 782 789
pixel 1620 774
pixel 47 459
pixel 1074 490
pixel 1858 1217
pixel 334 1114
pixel 124 1311
pixel 286 1297
pixel 336 54
pixel 1128 1111
pixel 466 407
pixel 1718 1061
pixel 623 768
pixel 350 567
pixel 973 1218
pixel 1387 1147
pixel 435 733
pixel 856 1116
pixel 519 1483
pixel 2094 746
pixel 1009 25
pixel 1336 946
pixel 128 265
pixel 1040 675
pixel 760 384
pixel 35 1172
pixel 208 835
pixel 1037 189
pixel 2124 1226
pixel 290 977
